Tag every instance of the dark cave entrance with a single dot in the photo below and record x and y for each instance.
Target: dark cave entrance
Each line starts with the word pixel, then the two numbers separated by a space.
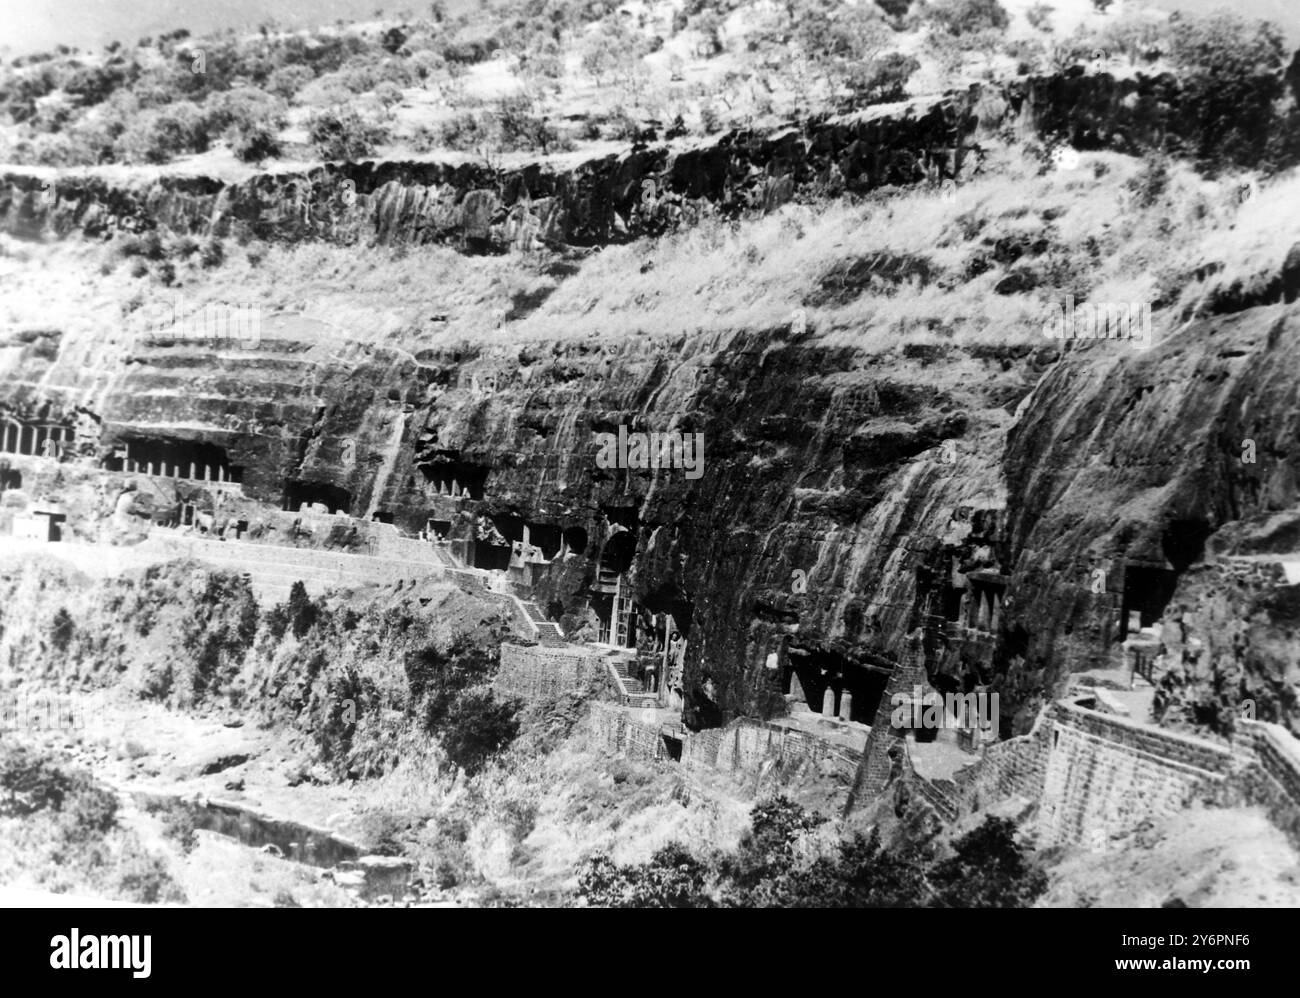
pixel 616 558
pixel 437 529
pixel 193 460
pixel 545 536
pixel 952 603
pixel 610 595
pixel 1147 591
pixel 492 557
pixel 576 539
pixel 10 478
pixel 332 497
pixel 35 438
pixel 672 747
pixel 1183 542
pixel 826 677
pixel 453 477
pixel 509 526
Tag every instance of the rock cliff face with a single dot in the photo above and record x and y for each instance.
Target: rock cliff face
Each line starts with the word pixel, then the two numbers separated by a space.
pixel 1124 472
pixel 616 199
pixel 1010 505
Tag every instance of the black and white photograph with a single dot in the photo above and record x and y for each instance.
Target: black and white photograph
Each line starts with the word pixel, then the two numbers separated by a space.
pixel 652 454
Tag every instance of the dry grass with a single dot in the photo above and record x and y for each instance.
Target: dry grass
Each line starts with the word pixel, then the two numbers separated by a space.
pixel 715 278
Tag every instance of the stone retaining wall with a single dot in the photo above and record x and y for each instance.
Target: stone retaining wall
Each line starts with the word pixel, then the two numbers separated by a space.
pixel 544 673
pixel 1098 776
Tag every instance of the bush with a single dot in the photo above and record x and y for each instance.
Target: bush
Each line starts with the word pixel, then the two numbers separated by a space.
pixel 467 133
pixel 1231 77
pixel 178 825
pixel 441 676
pixel 775 867
pixel 477 729
pixel 214 253
pixel 157 135
pixel 988 871
pixel 301 612
pixel 144 878
pixel 1152 181
pixel 885 79
pixel 520 129
pixel 1039 16
pixel 344 133
pixel 30 782
pixel 967 17
pixel 250 122
pixel 62 629
pixel 673 878
pixel 286 81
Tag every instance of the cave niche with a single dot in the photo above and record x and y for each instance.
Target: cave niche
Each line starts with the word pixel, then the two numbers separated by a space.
pixel 333 497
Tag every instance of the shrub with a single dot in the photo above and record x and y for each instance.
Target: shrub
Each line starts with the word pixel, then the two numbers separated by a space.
pixel 1039 16
pixel 277 621
pixel 30 782
pixel 388 93
pixel 467 133
pixel 344 133
pixel 393 39
pixel 520 129
pixel 62 629
pixel 286 81
pixel 885 79
pixel 1231 76
pixel 989 870
pixel 440 676
pixel 144 878
pixel 214 253
pixel 381 831
pixel 249 120
pixel 178 825
pixel 254 140
pixel 301 611
pixel 673 878
pixel 1152 181
pixel 966 17
pixel 157 135
pixel 477 729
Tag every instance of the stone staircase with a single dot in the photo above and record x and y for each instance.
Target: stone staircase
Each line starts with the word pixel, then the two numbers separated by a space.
pixel 632 691
pixel 548 632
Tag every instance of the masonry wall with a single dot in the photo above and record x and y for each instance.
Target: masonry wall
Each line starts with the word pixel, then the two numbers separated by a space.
pixel 1098 775
pixel 1273 782
pixel 1016 767
pixel 747 750
pixel 1098 786
pixel 544 673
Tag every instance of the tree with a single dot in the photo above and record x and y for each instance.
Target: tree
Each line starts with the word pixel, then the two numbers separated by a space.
pixel 885 79
pixel 1231 76
pixel 989 870
pixel 302 613
pixel 343 132
pixel 964 17
pixel 1039 16
pixel 673 878
pixel 62 629
pixel 477 728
